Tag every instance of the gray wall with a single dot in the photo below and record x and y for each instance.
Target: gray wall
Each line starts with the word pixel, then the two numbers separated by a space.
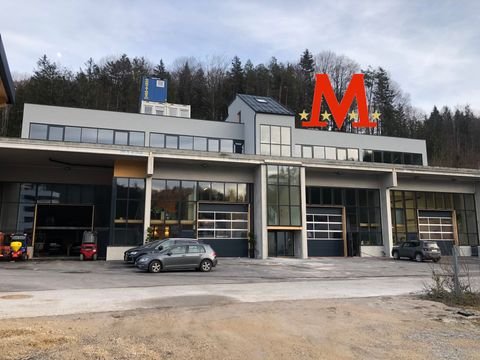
pixel 247 118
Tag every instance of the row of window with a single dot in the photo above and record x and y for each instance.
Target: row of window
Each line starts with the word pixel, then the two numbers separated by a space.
pixel 325 152
pixel 392 157
pixel 199 143
pixel 86 135
pixel 222 225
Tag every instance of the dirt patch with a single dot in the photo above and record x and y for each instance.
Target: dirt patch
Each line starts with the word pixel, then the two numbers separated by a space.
pixel 372 328
pixel 15 297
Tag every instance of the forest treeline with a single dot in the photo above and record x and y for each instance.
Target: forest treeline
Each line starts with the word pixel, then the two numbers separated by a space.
pixel 210 86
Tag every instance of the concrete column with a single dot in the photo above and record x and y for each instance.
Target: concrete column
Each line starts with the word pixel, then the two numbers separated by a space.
pixel 303 254
pixel 148 196
pixel 386 215
pixel 477 210
pixel 390 181
pixel 260 211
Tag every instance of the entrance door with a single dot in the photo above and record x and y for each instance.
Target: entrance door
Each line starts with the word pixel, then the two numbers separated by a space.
pixel 281 243
pixel 437 226
pixel 59 228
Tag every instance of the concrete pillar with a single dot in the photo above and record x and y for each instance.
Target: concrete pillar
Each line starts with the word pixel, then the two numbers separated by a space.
pixel 260 211
pixel 148 196
pixel 390 181
pixel 477 210
pixel 303 254
pixel 386 215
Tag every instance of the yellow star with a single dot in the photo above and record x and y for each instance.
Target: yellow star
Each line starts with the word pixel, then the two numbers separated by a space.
pixel 326 115
pixel 303 115
pixel 352 115
pixel 376 115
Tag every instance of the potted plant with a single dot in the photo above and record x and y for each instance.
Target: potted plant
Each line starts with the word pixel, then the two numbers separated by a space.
pixel 252 244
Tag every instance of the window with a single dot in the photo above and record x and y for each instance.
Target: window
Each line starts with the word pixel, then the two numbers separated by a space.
pixel 178 250
pixel 136 138
pixel 200 143
pixel 171 141
pixel 185 142
pixel 89 135
pixel 341 154
pixel 105 136
pixel 195 249
pixel 213 145
pixel 307 151
pixel 275 140
pixel 160 111
pixel 55 133
pixel 319 152
pixel 283 195
pixel 157 140
pixel 222 224
pixel 148 109
pixel 238 147
pixel 121 138
pixel 226 145
pixel 72 134
pixel 38 131
pixel 352 154
pixel 392 157
pixel 330 153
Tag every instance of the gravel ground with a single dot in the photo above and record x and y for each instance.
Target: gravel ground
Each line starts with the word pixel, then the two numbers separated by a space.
pixel 368 328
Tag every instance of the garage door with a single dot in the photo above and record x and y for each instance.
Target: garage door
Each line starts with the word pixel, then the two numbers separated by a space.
pixel 437 226
pixel 225 227
pixel 325 231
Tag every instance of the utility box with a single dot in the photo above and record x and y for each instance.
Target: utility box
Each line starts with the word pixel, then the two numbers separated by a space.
pixel 165 109
pixel 154 89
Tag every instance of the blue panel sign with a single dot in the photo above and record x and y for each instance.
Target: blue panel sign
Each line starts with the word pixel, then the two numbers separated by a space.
pixel 153 89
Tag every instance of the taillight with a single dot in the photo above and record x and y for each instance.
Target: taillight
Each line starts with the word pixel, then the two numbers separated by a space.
pixel 214 254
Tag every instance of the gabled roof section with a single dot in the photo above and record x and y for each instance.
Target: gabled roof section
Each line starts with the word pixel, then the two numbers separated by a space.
pixel 265 105
pixel 6 82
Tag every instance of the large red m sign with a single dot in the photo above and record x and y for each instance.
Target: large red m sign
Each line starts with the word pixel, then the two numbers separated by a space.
pixel 339 110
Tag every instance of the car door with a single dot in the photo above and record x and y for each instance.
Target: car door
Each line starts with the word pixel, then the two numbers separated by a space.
pixel 175 257
pixel 402 250
pixel 194 255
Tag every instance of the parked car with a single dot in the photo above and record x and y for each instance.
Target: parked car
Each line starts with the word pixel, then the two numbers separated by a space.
pixel 178 257
pixel 418 249
pixel 131 255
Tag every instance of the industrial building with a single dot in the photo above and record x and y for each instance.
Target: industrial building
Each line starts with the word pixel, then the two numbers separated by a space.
pixel 291 191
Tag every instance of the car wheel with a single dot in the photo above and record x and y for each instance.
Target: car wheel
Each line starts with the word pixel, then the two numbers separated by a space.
pixel 396 255
pixel 206 265
pixel 436 260
pixel 82 257
pixel 155 266
pixel 418 257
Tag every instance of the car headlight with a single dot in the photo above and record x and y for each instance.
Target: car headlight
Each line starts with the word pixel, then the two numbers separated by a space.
pixel 134 253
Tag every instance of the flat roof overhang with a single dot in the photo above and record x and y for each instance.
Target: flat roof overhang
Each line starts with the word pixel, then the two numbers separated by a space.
pixel 7 90
pixel 15 150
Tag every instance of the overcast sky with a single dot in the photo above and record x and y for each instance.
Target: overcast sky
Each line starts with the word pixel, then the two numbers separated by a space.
pixel 431 48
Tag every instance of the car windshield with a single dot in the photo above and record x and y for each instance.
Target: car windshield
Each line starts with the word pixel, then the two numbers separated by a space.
pixel 153 243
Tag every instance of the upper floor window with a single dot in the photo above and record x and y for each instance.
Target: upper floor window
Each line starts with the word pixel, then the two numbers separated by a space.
pixel 275 140
pixel 392 157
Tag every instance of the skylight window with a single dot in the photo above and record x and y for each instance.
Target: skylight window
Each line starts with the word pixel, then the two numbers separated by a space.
pixel 261 100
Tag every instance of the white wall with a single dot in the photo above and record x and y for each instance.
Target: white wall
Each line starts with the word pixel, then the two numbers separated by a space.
pixel 116 252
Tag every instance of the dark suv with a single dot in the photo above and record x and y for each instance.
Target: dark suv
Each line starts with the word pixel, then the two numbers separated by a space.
pixel 417 249
pixel 131 255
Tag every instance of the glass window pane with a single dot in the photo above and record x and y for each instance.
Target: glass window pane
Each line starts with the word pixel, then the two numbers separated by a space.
pixel 226 145
pixel 330 153
pixel 417 159
pixel 272 213
pixel 294 195
pixel 319 152
pixel 218 191
pixel 189 191
pixel 265 134
pixel 72 133
pixel 295 217
pixel 137 138
pixel 307 151
pixel 285 135
pixel 275 150
pixel 272 194
pixel 122 188
pixel 213 145
pixel 294 175
pixel 286 150
pixel 275 134
pixel 55 133
pixel 231 192
pixel 157 140
pixel 368 155
pixel 265 149
pixel 342 154
pixel 121 137
pixel 283 195
pixel 89 135
pixel 204 190
pixel 136 188
pixel 352 154
pixel 38 131
pixel 469 202
pixel 272 174
pixel 284 215
pixel 242 192
pixel 283 175
pixel 105 136
pixel 200 143
pixel 185 142
pixel 171 141
pixel 297 151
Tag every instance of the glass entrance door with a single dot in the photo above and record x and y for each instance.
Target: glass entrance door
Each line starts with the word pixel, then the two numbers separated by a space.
pixel 281 243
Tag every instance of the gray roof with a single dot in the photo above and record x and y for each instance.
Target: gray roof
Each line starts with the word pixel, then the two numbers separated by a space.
pixel 265 105
pixel 5 76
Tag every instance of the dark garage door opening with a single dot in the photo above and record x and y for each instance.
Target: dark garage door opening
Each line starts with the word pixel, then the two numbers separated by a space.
pixel 59 229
